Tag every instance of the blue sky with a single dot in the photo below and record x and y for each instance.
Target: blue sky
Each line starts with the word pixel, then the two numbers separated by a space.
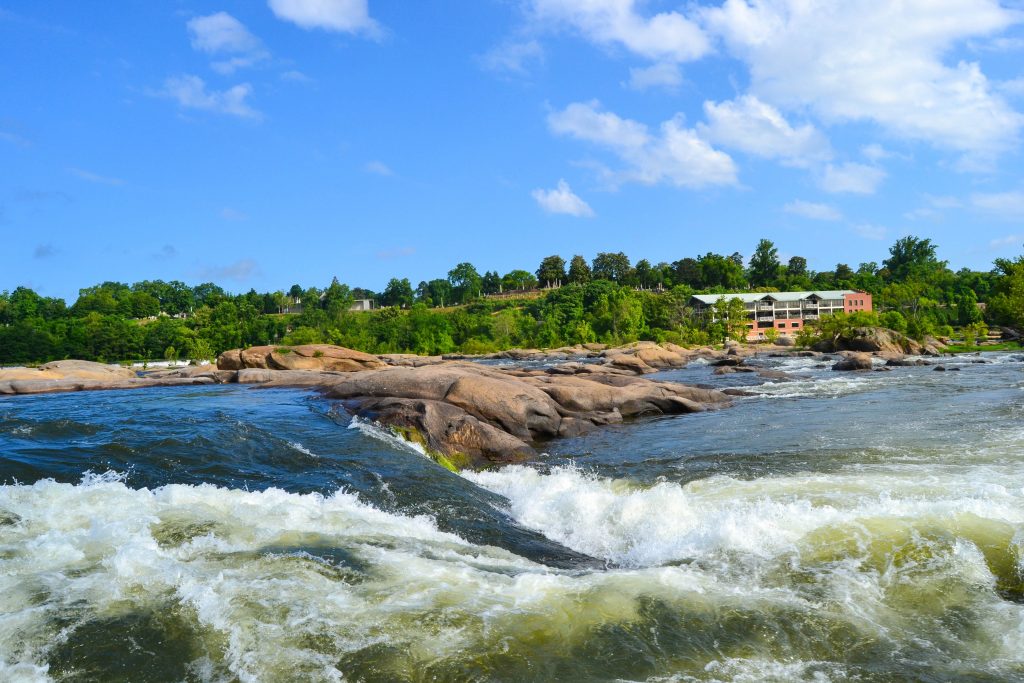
pixel 266 143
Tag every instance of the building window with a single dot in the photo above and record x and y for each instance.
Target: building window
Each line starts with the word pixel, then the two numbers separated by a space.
pixel 782 325
pixel 796 324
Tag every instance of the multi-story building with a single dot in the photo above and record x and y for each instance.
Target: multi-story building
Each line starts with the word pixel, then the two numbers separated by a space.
pixel 786 312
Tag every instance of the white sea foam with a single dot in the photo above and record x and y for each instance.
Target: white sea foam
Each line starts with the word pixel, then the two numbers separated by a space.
pixel 256 577
pixel 638 526
pixel 302 449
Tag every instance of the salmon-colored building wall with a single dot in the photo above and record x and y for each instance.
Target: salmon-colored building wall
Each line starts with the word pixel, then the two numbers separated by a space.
pixel 858 301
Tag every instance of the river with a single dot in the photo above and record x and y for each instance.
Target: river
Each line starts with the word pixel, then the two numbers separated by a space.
pixel 841 527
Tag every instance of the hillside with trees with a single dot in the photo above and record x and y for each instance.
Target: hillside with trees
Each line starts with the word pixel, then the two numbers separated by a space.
pixel 561 302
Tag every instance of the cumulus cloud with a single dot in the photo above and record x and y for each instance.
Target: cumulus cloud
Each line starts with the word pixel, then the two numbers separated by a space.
pixel 661 75
pixel 674 154
pixel 512 57
pixel 343 16
pixel 851 178
pixel 817 212
pixel 562 200
pixel 222 34
pixel 663 37
pixel 95 177
pixel 239 271
pixel 750 125
pixel 879 62
pixel 190 92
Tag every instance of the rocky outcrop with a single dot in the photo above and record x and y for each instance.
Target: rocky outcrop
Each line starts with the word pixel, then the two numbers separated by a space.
pixel 473 415
pixel 79 375
pixel 882 341
pixel 316 357
pixel 853 362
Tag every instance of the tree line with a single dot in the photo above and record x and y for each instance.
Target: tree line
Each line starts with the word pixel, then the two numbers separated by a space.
pixel 609 299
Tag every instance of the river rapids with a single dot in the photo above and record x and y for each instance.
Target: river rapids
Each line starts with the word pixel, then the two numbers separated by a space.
pixel 840 527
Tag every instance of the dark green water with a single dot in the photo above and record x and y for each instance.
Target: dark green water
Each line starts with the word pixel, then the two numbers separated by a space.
pixel 864 527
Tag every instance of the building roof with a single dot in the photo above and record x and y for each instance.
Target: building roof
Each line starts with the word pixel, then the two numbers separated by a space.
pixel 750 298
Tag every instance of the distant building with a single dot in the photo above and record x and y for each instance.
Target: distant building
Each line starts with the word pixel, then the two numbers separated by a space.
pixel 361 305
pixel 786 312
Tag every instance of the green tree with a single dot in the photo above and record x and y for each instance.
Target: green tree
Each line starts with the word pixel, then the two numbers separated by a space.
pixel 551 272
pixel 764 264
pixel 519 279
pixel 731 314
pixel 797 266
pixel 490 283
pixel 579 271
pixel 608 266
pixel 465 281
pixel 912 257
pixel 397 293
pixel 720 272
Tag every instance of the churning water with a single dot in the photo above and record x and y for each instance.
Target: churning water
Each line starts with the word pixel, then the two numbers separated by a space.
pixel 864 527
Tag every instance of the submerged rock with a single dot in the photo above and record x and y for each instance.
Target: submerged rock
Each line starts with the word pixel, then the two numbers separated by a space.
pixel 852 362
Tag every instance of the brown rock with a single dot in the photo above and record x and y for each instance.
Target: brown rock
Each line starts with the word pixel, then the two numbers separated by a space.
pixel 853 362
pixel 83 369
pixel 451 436
pixel 630 362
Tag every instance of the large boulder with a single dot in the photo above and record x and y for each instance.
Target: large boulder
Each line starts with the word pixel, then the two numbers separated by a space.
pixel 317 357
pixel 875 340
pixel 84 369
pixel 447 433
pixel 853 362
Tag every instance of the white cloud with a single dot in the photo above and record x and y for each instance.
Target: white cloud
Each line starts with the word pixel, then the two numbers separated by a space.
pixel 936 205
pixel 378 168
pixel 875 152
pixel 95 177
pixel 222 34
pixel 295 76
pixel 852 178
pixel 675 154
pixel 1008 241
pixel 562 200
pixel 881 62
pixel 750 125
pixel 512 57
pixel 663 37
pixel 818 212
pixel 1004 204
pixel 871 232
pixel 1013 87
pixel 191 93
pixel 344 16
pixel 661 75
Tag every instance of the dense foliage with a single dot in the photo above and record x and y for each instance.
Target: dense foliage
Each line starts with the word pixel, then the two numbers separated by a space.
pixel 608 300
